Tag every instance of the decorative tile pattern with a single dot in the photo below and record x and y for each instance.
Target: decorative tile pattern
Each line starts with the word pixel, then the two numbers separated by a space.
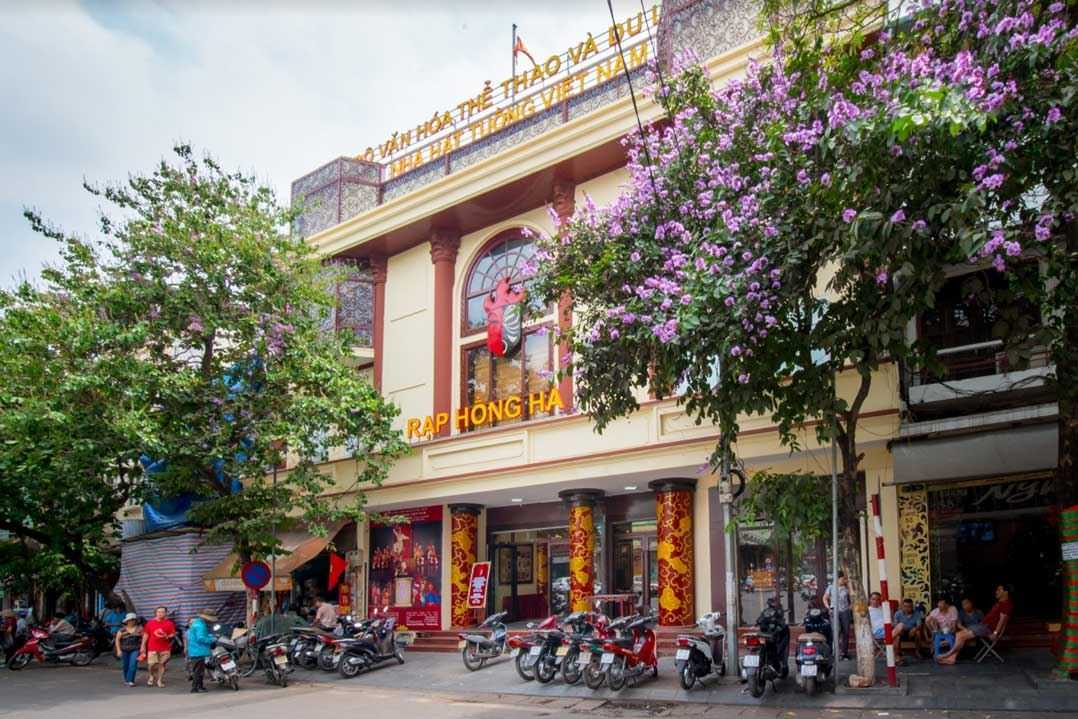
pixel 515 134
pixel 914 558
pixel 312 181
pixel 320 210
pixel 581 557
pixel 413 180
pixel 711 27
pixel 356 198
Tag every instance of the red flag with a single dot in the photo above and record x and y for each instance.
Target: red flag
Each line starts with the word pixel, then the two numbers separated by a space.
pixel 519 48
pixel 337 565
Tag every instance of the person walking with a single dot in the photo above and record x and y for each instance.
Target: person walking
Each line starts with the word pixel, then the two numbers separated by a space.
pixel 129 647
pixel 199 647
pixel 157 645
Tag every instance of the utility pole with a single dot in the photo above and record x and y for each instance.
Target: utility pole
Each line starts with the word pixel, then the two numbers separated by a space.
pixel 726 498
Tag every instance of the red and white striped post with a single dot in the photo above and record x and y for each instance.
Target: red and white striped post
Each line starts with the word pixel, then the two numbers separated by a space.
pixel 877 523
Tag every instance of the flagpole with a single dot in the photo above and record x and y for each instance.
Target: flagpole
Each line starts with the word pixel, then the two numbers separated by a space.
pixel 514 54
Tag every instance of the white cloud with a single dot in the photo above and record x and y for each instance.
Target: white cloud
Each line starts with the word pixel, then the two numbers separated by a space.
pixel 101 90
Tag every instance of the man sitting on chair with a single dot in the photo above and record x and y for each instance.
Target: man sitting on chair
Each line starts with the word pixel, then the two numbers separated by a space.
pixel 989 629
pixel 909 623
pixel 875 615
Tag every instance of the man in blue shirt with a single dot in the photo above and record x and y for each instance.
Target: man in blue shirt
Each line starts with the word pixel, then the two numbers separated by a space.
pixel 199 647
pixel 908 622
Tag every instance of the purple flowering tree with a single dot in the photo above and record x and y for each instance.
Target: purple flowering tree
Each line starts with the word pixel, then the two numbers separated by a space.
pixel 792 223
pixel 210 319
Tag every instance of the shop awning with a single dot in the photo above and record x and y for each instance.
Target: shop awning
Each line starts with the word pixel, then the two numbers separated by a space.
pixel 302 547
pixel 1011 451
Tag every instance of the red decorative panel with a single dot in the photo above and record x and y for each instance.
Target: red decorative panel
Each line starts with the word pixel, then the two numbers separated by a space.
pixel 676 589
pixel 464 537
pixel 581 556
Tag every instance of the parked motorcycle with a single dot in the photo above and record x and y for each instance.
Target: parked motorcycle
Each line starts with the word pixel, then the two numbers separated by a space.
pixel 631 656
pixel 221 665
pixel 700 657
pixel 546 654
pixel 814 657
pixel 271 655
pixel 765 659
pixel 476 648
pixel 307 644
pixel 380 643
pixel 522 646
pixel 77 650
pixel 581 627
pixel 592 651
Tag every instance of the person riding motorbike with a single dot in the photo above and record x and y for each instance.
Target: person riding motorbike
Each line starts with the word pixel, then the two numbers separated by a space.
pixel 61 630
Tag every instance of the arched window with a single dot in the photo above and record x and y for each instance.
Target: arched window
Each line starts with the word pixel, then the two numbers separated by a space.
pixel 488 378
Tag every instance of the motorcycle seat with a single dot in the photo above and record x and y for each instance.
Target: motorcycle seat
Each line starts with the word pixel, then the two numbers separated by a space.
pixel 313 631
pixel 812 636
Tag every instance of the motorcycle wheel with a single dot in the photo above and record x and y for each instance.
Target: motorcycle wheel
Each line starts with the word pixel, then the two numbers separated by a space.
pixel 470 655
pixel 545 670
pixel 722 668
pixel 81 659
pixel 687 676
pixel 810 685
pixel 307 662
pixel 350 670
pixel 594 676
pixel 282 679
pixel 756 684
pixel 18 661
pixel 570 670
pixel 616 674
pixel 248 668
pixel 399 654
pixel 234 682
pixel 525 673
pixel 325 659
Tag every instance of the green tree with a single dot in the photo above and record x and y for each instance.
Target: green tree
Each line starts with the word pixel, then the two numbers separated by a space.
pixel 213 317
pixel 792 223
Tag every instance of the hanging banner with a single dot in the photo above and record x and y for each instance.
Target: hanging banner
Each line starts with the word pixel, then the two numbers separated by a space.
pixel 477 585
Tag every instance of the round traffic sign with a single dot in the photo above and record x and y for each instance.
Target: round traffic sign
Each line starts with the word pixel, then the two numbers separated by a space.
pixel 255 575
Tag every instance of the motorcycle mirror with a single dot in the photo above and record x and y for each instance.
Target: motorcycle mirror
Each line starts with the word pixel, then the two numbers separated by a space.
pixel 216 627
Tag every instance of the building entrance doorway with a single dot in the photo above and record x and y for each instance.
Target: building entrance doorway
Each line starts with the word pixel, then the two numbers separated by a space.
pixel 990 532
pixel 528 568
pixel 636 563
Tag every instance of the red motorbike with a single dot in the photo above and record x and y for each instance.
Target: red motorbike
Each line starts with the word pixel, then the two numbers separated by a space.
pixel 526 648
pixel 628 658
pixel 78 650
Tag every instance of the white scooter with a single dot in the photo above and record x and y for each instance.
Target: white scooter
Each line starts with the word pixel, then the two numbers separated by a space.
pixel 701 657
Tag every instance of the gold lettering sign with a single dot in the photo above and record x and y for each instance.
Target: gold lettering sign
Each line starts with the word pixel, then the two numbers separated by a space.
pixel 496 107
pixel 484 413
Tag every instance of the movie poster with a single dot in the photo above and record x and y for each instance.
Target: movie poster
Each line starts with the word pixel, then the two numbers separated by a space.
pixel 406 567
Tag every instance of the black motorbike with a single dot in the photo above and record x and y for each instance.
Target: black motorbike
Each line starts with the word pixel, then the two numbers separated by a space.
pixel 766 650
pixel 378 644
pixel 476 648
pixel 814 657
pixel 271 655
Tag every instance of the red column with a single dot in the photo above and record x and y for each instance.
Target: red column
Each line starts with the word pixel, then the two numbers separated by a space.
pixel 464 546
pixel 581 504
pixel 443 253
pixel 673 514
pixel 378 270
pixel 563 201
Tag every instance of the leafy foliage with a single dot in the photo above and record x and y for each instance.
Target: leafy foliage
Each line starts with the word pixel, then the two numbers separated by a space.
pixel 798 506
pixel 204 334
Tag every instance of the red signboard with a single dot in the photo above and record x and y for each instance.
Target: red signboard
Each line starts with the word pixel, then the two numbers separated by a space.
pixel 477 585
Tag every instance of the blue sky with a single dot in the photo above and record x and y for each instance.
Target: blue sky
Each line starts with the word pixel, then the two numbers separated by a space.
pixel 100 89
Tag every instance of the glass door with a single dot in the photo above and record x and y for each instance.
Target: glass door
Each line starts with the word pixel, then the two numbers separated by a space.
pixel 636 564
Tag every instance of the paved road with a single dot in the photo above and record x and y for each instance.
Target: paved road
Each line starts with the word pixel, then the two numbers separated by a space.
pixel 427 685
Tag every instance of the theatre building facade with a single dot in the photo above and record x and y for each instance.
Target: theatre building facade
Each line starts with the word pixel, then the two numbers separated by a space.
pixel 436 229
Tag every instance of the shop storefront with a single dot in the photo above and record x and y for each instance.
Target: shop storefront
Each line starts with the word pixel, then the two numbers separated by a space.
pixel 962 539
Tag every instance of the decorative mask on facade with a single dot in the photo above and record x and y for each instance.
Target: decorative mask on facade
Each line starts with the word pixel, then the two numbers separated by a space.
pixel 505 318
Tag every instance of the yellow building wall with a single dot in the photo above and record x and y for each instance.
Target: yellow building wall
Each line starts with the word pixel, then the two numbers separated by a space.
pixel 408 368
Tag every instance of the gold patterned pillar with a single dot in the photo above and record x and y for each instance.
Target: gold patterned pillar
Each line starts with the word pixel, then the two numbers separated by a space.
pixel 581 503
pixel 673 514
pixel 915 567
pixel 542 569
pixel 464 542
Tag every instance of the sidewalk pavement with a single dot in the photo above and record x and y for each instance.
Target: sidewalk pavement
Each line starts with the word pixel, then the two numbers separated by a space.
pixel 1019 685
